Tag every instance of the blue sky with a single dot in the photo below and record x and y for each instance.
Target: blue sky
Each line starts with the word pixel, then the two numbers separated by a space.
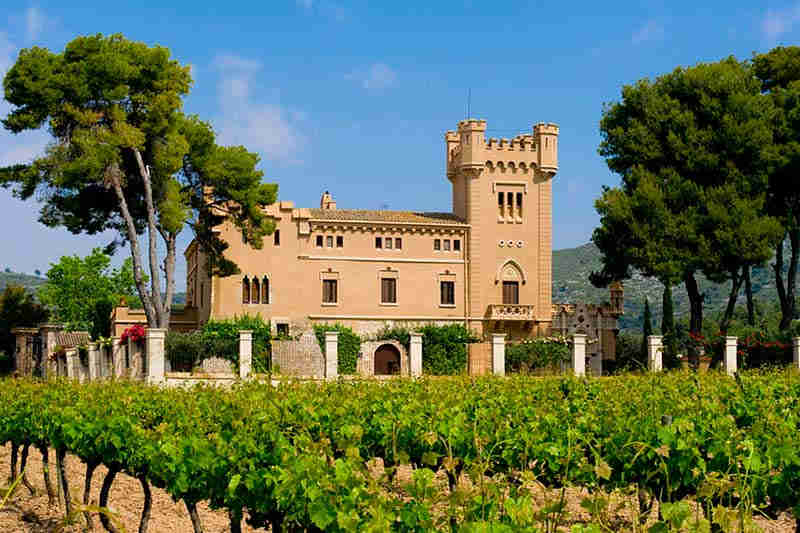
pixel 355 97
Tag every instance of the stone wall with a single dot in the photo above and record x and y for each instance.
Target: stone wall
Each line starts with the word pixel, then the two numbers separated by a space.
pixel 479 358
pixel 302 357
pixel 366 362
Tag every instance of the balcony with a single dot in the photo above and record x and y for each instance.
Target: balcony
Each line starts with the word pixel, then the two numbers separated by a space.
pixel 510 312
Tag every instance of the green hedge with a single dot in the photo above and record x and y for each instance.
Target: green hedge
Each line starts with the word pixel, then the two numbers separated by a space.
pixel 220 338
pixel 349 345
pixel 444 349
pixel 536 353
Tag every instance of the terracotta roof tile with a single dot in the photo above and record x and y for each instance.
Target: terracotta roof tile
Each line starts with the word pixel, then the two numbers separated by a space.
pixel 385 216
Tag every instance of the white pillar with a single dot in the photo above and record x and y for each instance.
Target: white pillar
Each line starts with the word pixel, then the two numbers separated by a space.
pixel 331 354
pixel 655 353
pixel 416 354
pixel 117 357
pixel 245 353
pixel 499 354
pixel 796 352
pixel 94 361
pixel 72 364
pixel 155 355
pixel 579 354
pixel 729 361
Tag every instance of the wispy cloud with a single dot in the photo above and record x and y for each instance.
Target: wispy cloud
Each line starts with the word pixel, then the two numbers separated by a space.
pixel 652 30
pixel 264 127
pixel 779 21
pixel 376 76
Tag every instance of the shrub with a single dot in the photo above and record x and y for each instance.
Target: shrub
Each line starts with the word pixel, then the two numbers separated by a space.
pixel 349 345
pixel 537 353
pixel 396 333
pixel 219 338
pixel 444 349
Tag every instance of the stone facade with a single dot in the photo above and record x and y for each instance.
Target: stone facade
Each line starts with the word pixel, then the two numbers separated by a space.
pixel 367 364
pixel 302 357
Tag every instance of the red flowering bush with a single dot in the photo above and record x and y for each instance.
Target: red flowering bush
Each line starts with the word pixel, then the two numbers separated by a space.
pixel 711 346
pixel 757 349
pixel 135 333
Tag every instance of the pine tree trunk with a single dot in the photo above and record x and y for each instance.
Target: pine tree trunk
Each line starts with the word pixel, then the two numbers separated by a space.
pixel 104 492
pixel 195 517
pixel 736 285
pixel 46 474
pixel 786 293
pixel 748 290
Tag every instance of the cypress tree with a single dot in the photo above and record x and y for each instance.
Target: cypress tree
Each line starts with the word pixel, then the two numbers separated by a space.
pixel 668 326
pixel 647 329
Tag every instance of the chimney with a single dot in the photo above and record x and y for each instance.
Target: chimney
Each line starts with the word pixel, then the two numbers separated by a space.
pixel 326 202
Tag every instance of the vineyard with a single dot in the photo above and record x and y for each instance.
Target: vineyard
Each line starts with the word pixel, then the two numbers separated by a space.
pixel 692 452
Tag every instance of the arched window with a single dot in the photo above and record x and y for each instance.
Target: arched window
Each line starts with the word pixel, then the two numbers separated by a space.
pixel 265 290
pixel 245 291
pixel 256 292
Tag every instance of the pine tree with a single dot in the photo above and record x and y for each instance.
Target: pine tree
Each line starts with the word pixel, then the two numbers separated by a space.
pixel 668 326
pixel 647 329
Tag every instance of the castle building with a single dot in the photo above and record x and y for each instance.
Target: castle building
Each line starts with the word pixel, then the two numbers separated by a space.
pixel 485 264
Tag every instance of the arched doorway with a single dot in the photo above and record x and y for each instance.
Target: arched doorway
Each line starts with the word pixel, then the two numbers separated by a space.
pixel 387 360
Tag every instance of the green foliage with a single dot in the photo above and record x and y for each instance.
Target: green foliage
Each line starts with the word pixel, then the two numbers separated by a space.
pixel 79 290
pixel 396 333
pixel 219 338
pixel 693 150
pixel 17 309
pixel 628 357
pixel 348 349
pixel 125 158
pixel 537 353
pixel 444 349
pixel 305 454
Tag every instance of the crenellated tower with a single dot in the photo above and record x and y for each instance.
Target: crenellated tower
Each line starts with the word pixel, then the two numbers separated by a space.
pixel 501 187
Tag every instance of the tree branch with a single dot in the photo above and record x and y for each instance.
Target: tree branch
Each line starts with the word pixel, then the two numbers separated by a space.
pixel 155 278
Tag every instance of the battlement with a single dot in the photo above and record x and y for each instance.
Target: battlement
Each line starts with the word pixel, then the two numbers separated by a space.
pixel 545 128
pixel 472 124
pixel 521 143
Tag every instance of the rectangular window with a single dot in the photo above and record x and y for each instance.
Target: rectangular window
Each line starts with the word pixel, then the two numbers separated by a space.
pixel 388 243
pixel 510 292
pixel 340 241
pixel 265 290
pixel 319 241
pixel 457 245
pixel 378 242
pixel 500 201
pixel 388 290
pixel 447 291
pixel 519 202
pixel 447 245
pixel 283 330
pixel 329 291
pixel 437 244
pixel 510 199
pixel 277 237
pixel 398 243
pixel 329 241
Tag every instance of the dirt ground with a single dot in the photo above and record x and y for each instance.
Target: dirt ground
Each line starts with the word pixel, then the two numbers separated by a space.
pixel 32 514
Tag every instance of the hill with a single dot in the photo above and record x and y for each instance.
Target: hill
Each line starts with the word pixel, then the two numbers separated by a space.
pixel 572 266
pixel 31 283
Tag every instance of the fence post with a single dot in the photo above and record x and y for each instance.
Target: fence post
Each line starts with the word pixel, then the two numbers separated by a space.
pixel 72 364
pixel 155 355
pixel 416 354
pixel 729 362
pixel 655 353
pixel 331 354
pixel 499 354
pixel 93 352
pixel 245 353
pixel 796 352
pixel 579 354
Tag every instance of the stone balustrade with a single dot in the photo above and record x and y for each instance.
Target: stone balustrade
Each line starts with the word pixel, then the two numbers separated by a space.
pixel 511 312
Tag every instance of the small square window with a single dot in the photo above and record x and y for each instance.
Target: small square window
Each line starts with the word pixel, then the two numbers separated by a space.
pixel 457 245
pixel 437 244
pixel 378 242
pixel 283 331
pixel 277 237
pixel 447 245
pixel 339 241
pixel 388 243
pixel 329 241
pixel 319 241
pixel 398 243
